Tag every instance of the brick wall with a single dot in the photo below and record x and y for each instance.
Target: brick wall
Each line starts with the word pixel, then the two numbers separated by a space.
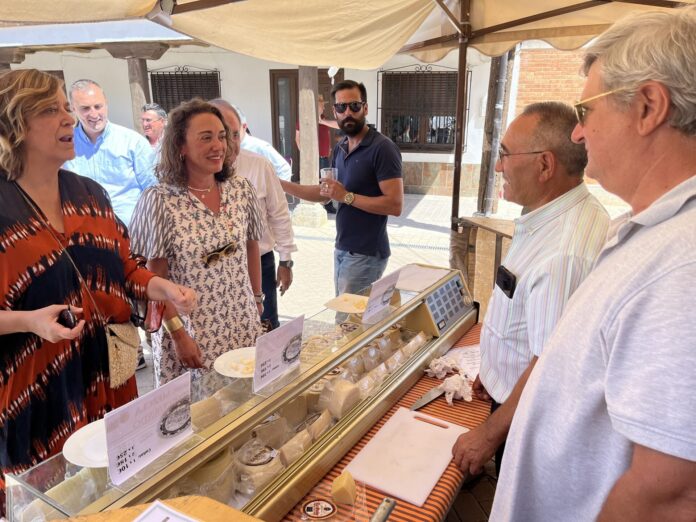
pixel 549 75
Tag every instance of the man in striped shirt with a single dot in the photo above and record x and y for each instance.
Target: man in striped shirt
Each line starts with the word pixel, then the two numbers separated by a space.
pixel 553 249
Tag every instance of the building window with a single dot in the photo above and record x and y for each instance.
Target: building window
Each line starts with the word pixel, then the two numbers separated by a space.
pixel 419 107
pixel 170 88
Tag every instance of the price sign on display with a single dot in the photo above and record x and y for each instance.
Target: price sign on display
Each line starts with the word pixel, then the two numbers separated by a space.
pixel 380 296
pixel 278 352
pixel 142 430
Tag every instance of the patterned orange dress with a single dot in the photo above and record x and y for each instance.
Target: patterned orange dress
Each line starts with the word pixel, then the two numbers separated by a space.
pixel 49 390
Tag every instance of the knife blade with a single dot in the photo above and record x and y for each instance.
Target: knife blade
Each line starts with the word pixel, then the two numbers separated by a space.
pixel 426 398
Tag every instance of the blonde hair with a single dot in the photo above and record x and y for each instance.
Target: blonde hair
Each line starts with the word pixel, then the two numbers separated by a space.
pixel 23 93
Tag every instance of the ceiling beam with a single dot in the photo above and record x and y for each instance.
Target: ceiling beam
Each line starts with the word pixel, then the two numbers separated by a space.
pixel 450 16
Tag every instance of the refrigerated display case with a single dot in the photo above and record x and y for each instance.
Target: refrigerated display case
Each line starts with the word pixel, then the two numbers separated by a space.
pixel 263 452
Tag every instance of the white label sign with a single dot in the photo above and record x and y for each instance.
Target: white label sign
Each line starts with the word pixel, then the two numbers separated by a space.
pixel 278 352
pixel 380 295
pixel 142 430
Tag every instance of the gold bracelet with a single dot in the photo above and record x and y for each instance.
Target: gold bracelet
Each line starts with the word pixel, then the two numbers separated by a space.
pixel 173 324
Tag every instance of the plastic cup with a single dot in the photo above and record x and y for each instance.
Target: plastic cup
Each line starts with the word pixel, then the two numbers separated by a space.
pixel 329 173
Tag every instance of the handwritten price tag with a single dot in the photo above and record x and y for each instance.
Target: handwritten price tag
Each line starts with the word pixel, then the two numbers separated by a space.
pixel 380 296
pixel 278 352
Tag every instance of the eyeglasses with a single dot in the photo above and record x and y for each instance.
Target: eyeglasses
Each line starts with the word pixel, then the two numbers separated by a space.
pixel 502 154
pixel 355 106
pixel 580 109
pixel 224 250
pixel 150 120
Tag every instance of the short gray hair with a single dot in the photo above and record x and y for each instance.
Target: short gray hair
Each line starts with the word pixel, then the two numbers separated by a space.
pixel 654 45
pixel 83 85
pixel 555 124
pixel 156 108
pixel 221 102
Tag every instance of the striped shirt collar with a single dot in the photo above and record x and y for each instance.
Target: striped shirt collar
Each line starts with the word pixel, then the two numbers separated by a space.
pixel 528 223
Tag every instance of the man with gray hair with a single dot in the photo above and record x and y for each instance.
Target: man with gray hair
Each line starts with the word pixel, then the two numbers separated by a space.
pixel 153 120
pixel 553 249
pixel 258 146
pixel 605 428
pixel 117 158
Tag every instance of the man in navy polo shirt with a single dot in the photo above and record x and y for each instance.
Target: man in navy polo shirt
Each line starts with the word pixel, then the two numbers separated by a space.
pixel 369 188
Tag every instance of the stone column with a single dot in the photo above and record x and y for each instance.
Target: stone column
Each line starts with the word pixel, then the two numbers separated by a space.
pixel 306 213
pixel 136 54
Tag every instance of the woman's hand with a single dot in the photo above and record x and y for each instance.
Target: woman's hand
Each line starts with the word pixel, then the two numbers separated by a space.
pixel 259 307
pixel 187 350
pixel 183 298
pixel 44 323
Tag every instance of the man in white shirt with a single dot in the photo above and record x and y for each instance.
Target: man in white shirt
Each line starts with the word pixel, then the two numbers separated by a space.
pixel 263 148
pixel 553 249
pixel 606 426
pixel 278 231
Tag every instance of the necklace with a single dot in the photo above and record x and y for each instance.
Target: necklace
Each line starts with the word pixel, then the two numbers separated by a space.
pixel 203 192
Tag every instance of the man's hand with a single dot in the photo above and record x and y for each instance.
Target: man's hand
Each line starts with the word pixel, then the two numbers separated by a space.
pixel 187 350
pixel 332 189
pixel 479 391
pixel 473 449
pixel 283 279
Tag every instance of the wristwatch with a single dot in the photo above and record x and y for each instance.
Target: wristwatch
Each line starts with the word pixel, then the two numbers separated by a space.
pixel 259 297
pixel 287 264
pixel 349 198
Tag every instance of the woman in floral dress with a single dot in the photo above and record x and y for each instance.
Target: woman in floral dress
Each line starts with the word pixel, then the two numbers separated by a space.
pixel 200 228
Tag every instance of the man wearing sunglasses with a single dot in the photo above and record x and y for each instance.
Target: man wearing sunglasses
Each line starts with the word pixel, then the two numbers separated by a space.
pixel 369 188
pixel 553 249
pixel 606 426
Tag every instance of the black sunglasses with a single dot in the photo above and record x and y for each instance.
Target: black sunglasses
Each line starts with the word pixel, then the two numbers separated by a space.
pixel 356 106
pixel 224 250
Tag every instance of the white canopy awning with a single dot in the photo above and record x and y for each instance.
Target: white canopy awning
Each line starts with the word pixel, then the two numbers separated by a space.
pixel 346 33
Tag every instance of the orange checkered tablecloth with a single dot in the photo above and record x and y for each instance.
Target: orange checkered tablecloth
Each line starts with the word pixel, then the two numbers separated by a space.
pixel 468 414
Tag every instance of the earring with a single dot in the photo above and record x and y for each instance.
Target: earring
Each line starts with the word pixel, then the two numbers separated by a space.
pixel 181 158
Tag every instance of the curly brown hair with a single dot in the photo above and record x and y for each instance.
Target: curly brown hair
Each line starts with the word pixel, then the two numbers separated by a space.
pixel 171 169
pixel 23 93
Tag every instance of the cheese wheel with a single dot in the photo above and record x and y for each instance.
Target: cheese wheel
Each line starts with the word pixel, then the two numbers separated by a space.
pixel 395 361
pixel 344 396
pixel 257 466
pixel 367 385
pixel 295 411
pixel 295 447
pixel 205 412
pixel 273 432
pixel 317 428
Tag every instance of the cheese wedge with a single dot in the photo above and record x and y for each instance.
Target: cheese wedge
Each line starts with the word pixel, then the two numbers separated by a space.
pixel 295 447
pixel 319 426
pixel 344 396
pixel 343 489
pixel 205 412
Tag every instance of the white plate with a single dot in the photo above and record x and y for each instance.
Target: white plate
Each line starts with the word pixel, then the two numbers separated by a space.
pixel 237 363
pixel 87 446
pixel 348 303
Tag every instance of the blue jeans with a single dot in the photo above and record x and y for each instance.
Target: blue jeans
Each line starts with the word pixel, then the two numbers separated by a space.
pixel 353 272
pixel 268 287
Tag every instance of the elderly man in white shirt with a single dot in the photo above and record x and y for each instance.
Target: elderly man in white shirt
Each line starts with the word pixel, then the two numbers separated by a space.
pixel 553 249
pixel 278 233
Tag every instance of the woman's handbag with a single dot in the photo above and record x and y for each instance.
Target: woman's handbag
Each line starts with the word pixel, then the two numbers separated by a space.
pixel 122 339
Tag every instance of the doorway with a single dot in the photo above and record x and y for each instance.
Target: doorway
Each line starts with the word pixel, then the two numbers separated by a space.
pixel 285 108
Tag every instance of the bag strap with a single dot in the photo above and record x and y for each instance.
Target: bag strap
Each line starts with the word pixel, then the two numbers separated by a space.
pixel 63 250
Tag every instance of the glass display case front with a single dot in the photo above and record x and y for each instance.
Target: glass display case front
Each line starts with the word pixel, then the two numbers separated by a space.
pixel 262 452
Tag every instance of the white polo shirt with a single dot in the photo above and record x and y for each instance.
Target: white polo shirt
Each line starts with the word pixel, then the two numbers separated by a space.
pixel 619 370
pixel 553 249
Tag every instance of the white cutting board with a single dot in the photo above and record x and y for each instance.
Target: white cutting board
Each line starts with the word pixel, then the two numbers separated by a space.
pixel 407 456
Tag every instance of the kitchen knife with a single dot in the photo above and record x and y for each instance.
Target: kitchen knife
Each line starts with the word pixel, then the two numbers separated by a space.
pixel 426 398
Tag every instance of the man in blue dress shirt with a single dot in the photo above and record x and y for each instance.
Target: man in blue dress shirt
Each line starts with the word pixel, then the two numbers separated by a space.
pixel 117 158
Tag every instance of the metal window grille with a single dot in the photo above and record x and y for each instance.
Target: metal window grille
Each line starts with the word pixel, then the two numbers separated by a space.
pixel 419 108
pixel 170 88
